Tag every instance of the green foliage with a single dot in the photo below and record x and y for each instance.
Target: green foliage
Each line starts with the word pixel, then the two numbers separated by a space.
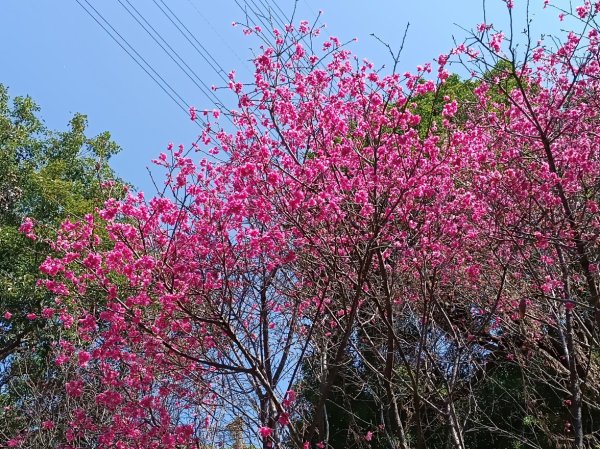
pixel 430 105
pixel 46 176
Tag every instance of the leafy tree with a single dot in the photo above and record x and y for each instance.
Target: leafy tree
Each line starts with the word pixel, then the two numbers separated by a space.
pixel 45 177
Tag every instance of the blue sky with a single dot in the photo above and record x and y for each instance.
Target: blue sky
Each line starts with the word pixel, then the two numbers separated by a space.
pixel 53 51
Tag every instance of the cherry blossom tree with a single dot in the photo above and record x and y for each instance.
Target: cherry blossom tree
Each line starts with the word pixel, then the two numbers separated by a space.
pixel 339 231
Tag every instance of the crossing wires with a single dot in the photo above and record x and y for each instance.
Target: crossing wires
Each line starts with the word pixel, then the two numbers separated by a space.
pixel 118 38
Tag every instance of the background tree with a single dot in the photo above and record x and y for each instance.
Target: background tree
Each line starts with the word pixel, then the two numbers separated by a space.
pixel 45 177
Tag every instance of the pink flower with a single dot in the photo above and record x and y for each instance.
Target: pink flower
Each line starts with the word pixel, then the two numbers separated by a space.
pixel 27 228
pixel 369 436
pixel 61 360
pixel 496 42
pixel 284 419
pixel 47 425
pixel 291 395
pixel 31 316
pixel 74 388
pixel 290 398
pixel 47 312
pixel 442 60
pixel 482 27
pixel 66 319
pixel 569 305
pixel 83 358
pixel 582 11
pixel 450 109
pixel 265 432
pixel 192 113
pixel 299 51
pixel 7 315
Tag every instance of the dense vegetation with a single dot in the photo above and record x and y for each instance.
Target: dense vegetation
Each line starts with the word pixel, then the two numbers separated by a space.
pixel 45 177
pixel 365 259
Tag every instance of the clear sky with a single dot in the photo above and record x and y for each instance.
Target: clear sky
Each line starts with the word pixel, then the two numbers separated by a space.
pixel 53 51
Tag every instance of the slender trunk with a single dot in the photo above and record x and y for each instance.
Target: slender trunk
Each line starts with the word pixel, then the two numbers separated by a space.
pixel 574 387
pixel 418 421
pixel 455 428
pixel 400 433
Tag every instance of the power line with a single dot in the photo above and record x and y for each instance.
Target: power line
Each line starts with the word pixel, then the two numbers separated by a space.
pixel 170 52
pixel 266 3
pixel 310 7
pixel 154 78
pixel 194 146
pixel 156 74
pixel 260 16
pixel 280 18
pixel 277 6
pixel 202 51
pixel 135 51
pixel 271 12
pixel 216 31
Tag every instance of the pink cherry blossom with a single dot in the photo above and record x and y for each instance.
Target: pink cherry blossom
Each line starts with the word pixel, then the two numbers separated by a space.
pixel 331 196
pixel 265 432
